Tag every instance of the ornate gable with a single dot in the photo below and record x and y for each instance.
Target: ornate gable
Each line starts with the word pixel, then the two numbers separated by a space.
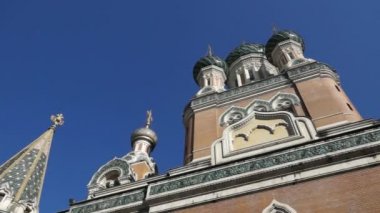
pixel 260 132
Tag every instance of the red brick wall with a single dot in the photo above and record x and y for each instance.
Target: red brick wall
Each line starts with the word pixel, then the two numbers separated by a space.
pixel 357 191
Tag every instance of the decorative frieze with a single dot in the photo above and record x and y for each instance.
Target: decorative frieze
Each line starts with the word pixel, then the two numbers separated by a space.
pixel 109 203
pixel 267 84
pixel 304 152
pixel 280 102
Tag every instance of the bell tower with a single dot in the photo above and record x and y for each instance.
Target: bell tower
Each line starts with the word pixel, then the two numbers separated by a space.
pixel 263 83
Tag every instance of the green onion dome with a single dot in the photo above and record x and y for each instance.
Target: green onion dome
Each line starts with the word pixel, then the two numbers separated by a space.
pixel 279 37
pixel 207 61
pixel 244 49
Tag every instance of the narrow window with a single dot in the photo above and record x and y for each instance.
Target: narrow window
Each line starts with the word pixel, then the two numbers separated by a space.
pixel 236 82
pixel 337 88
pixel 2 196
pixel 291 56
pixel 208 82
pixel 27 210
pixel 283 59
pixel 251 75
pixel 242 79
pixel 350 107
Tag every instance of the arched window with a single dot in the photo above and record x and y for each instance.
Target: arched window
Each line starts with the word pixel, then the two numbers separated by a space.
pixel 251 75
pixel 283 60
pixel 291 56
pixel 27 210
pixel 111 179
pixel 242 79
pixel 208 82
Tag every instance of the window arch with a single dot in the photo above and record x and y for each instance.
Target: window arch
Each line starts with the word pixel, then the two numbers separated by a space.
pixel 277 207
pixel 111 178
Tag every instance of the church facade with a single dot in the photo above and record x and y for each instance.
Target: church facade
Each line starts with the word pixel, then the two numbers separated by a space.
pixel 268 131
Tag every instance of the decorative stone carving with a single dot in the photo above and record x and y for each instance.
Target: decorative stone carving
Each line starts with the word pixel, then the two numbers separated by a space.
pixel 251 64
pixel 279 102
pixel 119 171
pixel 114 202
pixel 304 71
pixel 232 115
pixel 277 207
pixel 102 178
pixel 260 132
pixel 268 160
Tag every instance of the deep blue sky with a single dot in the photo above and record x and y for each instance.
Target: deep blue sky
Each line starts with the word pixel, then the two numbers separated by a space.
pixel 104 63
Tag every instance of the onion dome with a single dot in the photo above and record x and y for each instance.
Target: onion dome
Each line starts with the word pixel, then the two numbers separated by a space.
pixel 279 37
pixel 145 133
pixel 209 59
pixel 244 49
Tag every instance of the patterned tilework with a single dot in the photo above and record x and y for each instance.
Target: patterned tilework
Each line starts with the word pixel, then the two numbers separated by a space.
pixel 267 162
pixel 35 182
pixel 17 174
pixel 119 201
pixel 11 161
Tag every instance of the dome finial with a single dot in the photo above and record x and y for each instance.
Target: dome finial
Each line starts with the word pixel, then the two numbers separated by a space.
pixel 209 50
pixel 149 118
pixel 57 120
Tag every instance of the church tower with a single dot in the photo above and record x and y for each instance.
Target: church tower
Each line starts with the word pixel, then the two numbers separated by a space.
pixel 265 79
pixel 22 176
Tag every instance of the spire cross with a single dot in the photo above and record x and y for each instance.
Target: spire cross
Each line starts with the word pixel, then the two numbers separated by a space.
pixel 274 29
pixel 209 50
pixel 149 118
pixel 57 120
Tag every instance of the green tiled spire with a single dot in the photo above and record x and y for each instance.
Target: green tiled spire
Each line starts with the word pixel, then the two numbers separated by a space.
pixel 23 174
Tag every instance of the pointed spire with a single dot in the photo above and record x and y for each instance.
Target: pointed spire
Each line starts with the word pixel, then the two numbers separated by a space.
pixel 24 173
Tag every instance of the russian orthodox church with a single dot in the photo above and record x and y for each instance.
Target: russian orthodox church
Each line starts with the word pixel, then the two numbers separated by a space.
pixel 269 131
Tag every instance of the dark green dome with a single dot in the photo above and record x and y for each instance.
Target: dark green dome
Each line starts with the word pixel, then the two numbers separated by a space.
pixel 244 49
pixel 207 61
pixel 279 37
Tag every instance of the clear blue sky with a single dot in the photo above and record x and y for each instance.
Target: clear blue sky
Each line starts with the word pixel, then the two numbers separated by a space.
pixel 104 63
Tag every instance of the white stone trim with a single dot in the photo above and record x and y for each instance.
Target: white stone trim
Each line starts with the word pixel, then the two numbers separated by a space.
pixel 269 183
pixel 332 125
pixel 275 204
pixel 222 150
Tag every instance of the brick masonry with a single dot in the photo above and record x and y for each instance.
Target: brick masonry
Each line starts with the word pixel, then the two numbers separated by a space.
pixel 356 191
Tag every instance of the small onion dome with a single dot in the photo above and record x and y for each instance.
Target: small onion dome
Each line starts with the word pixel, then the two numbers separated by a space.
pixel 207 61
pixel 145 134
pixel 244 49
pixel 279 37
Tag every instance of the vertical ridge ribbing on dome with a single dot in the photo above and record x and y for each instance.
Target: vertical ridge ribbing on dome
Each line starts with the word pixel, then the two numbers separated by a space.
pixel 279 37
pixel 244 49
pixel 209 59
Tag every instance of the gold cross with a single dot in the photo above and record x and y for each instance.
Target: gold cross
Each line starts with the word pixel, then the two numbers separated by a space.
pixel 149 118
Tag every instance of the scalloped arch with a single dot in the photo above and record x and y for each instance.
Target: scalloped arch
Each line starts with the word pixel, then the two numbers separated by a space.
pixel 115 164
pixel 232 115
